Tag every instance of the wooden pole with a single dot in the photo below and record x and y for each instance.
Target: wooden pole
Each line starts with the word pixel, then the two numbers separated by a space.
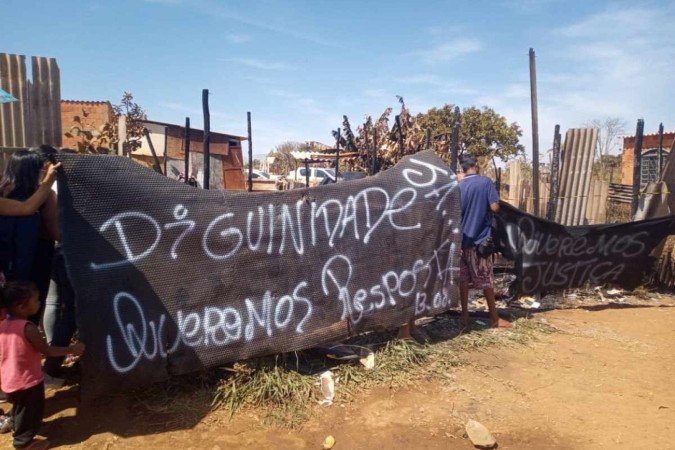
pixel 555 169
pixel 186 146
pixel 166 144
pixel 337 156
pixel 306 172
pixel 535 133
pixel 427 139
pixel 660 163
pixel 157 166
pixel 400 137
pixel 373 163
pixel 454 140
pixel 122 135
pixel 250 152
pixel 637 164
pixel 207 138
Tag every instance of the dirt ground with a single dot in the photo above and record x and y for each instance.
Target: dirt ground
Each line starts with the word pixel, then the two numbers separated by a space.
pixel 605 380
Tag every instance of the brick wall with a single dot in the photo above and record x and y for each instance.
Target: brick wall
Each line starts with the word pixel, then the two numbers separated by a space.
pixel 649 142
pixel 97 114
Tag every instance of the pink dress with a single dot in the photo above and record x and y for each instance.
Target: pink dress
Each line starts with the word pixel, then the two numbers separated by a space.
pixel 20 367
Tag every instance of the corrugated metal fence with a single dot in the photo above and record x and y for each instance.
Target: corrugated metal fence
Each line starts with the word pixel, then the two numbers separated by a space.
pixel 575 175
pixel 36 117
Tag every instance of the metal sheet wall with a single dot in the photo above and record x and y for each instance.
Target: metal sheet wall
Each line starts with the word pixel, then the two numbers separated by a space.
pixel 575 175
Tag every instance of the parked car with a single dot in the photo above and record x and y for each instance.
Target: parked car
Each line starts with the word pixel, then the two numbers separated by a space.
pixel 258 174
pixel 316 174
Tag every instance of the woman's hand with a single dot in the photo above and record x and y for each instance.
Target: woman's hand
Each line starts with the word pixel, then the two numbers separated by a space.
pixel 50 175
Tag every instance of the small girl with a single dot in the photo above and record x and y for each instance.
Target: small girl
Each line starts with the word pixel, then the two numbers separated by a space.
pixel 21 348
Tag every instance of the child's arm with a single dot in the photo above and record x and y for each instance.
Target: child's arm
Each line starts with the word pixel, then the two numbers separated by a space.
pixel 38 341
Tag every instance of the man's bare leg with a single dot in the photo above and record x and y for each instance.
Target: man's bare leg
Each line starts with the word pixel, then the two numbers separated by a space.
pixel 464 300
pixel 495 321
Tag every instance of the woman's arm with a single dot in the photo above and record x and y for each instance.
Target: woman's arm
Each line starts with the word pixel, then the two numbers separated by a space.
pixel 9 207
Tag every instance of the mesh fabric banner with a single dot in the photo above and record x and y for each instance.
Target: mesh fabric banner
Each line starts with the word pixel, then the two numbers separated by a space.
pixel 550 257
pixel 171 279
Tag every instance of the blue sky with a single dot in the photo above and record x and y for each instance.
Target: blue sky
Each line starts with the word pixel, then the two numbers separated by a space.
pixel 298 66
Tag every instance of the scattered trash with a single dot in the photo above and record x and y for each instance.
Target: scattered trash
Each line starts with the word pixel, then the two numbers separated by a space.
pixel 369 361
pixel 329 442
pixel 528 303
pixel 479 435
pixel 614 292
pixel 480 322
pixel 327 388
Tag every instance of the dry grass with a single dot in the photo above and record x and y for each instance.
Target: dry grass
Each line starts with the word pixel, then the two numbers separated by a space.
pixel 287 397
pixel 265 383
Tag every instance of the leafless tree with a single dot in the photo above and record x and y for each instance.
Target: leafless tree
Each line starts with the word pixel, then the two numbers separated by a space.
pixel 610 129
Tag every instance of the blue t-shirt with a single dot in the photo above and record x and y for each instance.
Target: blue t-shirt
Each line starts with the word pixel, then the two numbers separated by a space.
pixel 477 193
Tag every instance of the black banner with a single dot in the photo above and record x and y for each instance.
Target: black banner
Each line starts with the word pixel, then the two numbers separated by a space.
pixel 550 257
pixel 171 279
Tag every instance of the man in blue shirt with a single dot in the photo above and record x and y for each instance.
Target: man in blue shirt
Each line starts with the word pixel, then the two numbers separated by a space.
pixel 479 200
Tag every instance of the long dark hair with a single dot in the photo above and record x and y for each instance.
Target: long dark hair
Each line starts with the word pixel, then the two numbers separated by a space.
pixel 22 175
pixel 46 152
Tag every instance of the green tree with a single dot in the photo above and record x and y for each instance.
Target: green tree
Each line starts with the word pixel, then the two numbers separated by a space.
pixel 134 115
pixel 483 132
pixel 284 162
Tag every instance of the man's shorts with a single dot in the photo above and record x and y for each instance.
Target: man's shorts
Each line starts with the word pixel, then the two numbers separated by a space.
pixel 475 270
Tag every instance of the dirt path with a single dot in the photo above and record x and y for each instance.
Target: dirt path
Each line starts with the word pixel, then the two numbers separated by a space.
pixel 604 381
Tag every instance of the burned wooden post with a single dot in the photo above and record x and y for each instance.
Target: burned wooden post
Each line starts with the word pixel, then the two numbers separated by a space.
pixel 157 166
pixel 306 172
pixel 454 140
pixel 365 145
pixel 555 169
pixel 207 138
pixel 337 156
pixel 250 153
pixel 535 133
pixel 186 146
pixel 166 147
pixel 373 163
pixel 637 165
pixel 400 137
pixel 660 163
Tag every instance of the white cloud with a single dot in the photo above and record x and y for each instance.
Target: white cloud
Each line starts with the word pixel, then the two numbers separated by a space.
pixel 609 64
pixel 450 50
pixel 428 79
pixel 164 2
pixel 260 63
pixel 376 93
pixel 238 38
pixel 528 6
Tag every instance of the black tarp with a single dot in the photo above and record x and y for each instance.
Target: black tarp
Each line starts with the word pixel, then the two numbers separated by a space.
pixel 550 257
pixel 170 279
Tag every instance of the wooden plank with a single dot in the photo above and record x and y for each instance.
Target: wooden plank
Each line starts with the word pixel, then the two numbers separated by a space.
pixel 13 80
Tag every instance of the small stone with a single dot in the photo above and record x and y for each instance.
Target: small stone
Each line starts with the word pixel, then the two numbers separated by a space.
pixel 329 442
pixel 479 435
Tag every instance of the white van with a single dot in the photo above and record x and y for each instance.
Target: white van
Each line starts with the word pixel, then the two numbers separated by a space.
pixel 315 174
